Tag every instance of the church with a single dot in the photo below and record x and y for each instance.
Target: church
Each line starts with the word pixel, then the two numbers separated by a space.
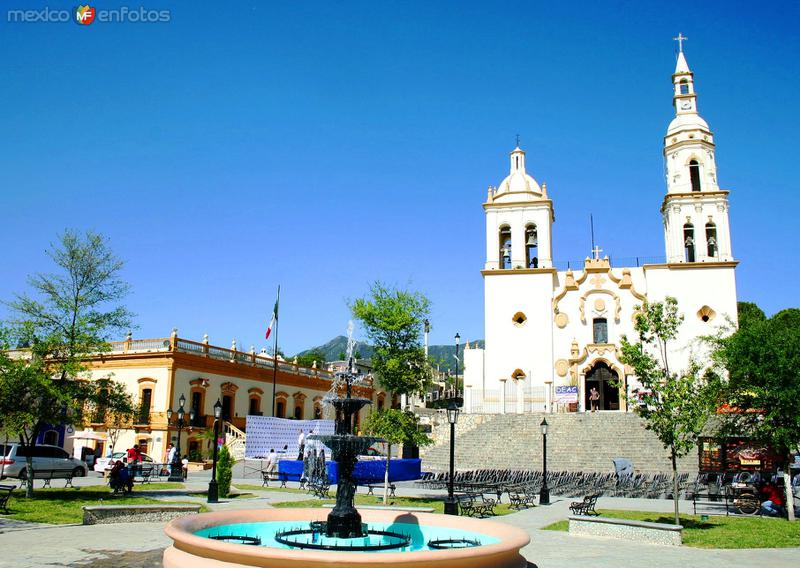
pixel 554 336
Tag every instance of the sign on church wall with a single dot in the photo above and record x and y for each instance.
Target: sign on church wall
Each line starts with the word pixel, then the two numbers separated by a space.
pixel 566 394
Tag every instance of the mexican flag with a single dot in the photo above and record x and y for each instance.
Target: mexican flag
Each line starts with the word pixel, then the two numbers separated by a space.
pixel 272 321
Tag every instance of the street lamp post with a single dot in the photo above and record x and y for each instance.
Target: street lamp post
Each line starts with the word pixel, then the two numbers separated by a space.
pixel 176 467
pixel 544 494
pixel 213 491
pixel 458 342
pixel 450 504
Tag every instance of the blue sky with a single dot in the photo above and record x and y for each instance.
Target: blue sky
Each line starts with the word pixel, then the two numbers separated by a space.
pixel 321 146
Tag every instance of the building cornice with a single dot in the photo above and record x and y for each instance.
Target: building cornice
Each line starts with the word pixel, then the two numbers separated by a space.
pixel 692 265
pixel 694 196
pixel 517 271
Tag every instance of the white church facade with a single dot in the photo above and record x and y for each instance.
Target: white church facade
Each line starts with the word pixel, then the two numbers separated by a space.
pixel 547 328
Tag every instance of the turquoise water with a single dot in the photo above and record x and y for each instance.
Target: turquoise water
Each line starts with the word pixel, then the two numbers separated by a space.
pixel 420 535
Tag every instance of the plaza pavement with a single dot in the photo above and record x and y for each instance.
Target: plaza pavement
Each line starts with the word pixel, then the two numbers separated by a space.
pixel 139 545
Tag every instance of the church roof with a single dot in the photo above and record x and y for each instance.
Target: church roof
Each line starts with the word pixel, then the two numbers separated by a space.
pixel 681 66
pixel 518 181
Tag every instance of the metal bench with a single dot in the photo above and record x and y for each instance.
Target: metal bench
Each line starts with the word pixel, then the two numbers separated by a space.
pixel 5 495
pixel 521 497
pixel 372 486
pixel 320 488
pixel 476 505
pixel 585 507
pixel 49 475
pixel 268 476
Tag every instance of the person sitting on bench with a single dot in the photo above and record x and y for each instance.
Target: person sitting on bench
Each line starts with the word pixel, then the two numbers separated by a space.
pixel 120 478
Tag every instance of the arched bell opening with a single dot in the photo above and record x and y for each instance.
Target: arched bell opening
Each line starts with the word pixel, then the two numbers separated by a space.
pixel 711 239
pixel 505 247
pixel 688 242
pixel 694 174
pixel 531 246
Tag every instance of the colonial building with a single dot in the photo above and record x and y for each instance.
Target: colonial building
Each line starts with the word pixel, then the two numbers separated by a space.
pixel 547 328
pixel 157 372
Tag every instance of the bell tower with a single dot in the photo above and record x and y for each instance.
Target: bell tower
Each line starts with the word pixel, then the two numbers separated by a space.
pixel 519 218
pixel 695 209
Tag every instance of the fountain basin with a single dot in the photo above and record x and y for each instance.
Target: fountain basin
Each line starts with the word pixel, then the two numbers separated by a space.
pixel 190 549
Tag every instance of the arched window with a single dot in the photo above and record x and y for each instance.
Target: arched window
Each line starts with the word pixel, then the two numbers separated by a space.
pixel 684 84
pixel 505 247
pixel 688 241
pixel 711 238
pixel 280 409
pixel 694 175
pixel 532 246
pixel 600 330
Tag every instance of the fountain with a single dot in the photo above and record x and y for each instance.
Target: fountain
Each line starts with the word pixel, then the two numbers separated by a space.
pixel 306 538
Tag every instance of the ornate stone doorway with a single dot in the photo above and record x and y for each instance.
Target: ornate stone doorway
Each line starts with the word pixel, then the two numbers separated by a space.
pixel 605 380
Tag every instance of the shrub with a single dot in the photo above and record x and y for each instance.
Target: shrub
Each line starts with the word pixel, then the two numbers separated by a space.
pixel 224 471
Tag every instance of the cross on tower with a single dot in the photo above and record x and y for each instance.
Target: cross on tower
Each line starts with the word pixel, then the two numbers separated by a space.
pixel 680 39
pixel 517 140
pixel 596 252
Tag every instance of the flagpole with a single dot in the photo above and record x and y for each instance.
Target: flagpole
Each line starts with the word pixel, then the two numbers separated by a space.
pixel 275 352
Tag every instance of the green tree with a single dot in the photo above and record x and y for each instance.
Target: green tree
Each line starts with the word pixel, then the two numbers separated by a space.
pixel 674 405
pixel 307 359
pixel 393 321
pixel 110 403
pixel 396 427
pixel 224 471
pixel 763 362
pixel 68 318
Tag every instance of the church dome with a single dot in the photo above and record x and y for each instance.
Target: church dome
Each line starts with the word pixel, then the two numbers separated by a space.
pixel 686 122
pixel 518 180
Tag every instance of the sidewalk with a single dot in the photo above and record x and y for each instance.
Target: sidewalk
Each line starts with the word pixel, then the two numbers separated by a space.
pixel 139 545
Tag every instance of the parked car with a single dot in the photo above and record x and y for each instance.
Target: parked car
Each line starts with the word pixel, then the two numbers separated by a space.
pixel 45 457
pixel 105 463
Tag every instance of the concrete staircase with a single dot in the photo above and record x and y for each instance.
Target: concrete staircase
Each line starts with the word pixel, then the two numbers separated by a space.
pixel 575 442
pixel 235 439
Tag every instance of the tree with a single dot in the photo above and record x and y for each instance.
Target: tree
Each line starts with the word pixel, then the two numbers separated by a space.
pixel 674 405
pixel 28 398
pixel 393 321
pixel 224 471
pixel 308 359
pixel 396 427
pixel 70 317
pixel 111 404
pixel 763 362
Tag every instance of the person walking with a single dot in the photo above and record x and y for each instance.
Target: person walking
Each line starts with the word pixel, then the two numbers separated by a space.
pixel 171 450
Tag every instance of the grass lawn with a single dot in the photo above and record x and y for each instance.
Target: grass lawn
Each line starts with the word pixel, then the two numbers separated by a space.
pixel 717 531
pixel 436 504
pixel 253 487
pixel 63 506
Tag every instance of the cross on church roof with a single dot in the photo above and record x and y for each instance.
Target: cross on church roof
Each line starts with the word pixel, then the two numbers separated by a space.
pixel 680 39
pixel 596 252
pixel 517 140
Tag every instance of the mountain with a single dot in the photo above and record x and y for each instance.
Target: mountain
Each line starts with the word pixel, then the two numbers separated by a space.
pixel 442 355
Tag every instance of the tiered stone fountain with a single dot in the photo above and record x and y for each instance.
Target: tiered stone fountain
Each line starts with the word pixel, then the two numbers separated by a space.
pixel 306 538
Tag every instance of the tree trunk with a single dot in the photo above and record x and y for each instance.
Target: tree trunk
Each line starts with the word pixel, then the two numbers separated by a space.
pixel 29 473
pixel 675 487
pixel 787 484
pixel 3 461
pixel 386 475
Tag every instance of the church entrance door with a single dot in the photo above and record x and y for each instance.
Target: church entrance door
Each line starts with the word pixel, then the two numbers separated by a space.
pixel 604 379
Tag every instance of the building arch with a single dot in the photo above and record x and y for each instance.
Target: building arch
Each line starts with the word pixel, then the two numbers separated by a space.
pixel 504 249
pixel 712 248
pixel 689 242
pixel 605 379
pixel 531 245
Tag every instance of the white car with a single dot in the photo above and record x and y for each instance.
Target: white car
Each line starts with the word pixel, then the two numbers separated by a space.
pixel 105 463
pixel 45 458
